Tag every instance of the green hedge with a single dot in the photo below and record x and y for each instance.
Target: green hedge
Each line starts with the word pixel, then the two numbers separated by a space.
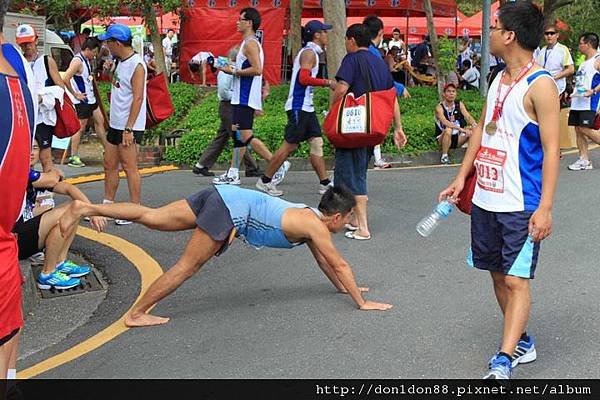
pixel 203 121
pixel 183 96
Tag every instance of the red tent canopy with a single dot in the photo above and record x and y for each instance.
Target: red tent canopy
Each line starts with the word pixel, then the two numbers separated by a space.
pixel 473 26
pixel 384 8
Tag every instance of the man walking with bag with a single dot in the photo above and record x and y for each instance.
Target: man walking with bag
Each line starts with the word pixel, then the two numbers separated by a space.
pixel 361 72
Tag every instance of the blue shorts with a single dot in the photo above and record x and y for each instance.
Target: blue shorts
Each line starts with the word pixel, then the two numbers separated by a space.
pixel 500 242
pixel 351 169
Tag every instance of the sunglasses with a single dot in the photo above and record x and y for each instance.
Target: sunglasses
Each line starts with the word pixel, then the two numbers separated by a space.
pixel 549 33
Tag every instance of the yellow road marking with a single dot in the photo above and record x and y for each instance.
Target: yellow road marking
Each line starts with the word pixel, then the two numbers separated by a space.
pixel 100 177
pixel 149 271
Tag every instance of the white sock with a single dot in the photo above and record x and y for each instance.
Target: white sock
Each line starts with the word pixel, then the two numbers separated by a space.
pixel 233 172
pixel 444 155
pixel 11 374
pixel 377 153
pixel 107 201
pixel 198 165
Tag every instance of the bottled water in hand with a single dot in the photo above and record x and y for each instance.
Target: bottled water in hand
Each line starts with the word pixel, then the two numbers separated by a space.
pixel 429 223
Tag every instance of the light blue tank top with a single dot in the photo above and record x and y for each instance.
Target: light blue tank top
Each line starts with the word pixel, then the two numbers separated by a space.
pixel 257 216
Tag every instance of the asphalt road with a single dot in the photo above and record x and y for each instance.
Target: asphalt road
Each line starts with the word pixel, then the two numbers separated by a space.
pixel 272 313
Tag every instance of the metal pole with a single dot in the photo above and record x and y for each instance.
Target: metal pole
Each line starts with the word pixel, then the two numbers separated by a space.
pixel 406 46
pixel 485 47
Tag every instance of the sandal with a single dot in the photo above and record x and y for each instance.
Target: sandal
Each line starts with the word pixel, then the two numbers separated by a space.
pixel 353 235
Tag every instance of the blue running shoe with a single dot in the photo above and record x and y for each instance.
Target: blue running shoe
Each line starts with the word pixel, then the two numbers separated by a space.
pixel 500 368
pixel 73 270
pixel 56 280
pixel 524 352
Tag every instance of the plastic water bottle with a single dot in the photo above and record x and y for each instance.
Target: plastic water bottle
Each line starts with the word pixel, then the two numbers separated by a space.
pixel 429 223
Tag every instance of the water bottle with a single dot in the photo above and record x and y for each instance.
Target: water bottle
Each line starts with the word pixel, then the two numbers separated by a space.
pixel 429 223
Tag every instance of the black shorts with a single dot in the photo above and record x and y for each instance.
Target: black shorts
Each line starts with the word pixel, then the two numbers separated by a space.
pixel 115 136
pixel 582 118
pixel 43 134
pixel 28 236
pixel 500 242
pixel 212 215
pixel 301 126
pixel 351 169
pixel 242 116
pixel 454 142
pixel 84 110
pixel 7 338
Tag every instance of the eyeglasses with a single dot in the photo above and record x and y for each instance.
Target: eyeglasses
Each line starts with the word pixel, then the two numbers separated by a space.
pixel 549 33
pixel 496 28
pixel 244 19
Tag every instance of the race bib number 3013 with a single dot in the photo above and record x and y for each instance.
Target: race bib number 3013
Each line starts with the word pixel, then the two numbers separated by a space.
pixel 354 120
pixel 490 169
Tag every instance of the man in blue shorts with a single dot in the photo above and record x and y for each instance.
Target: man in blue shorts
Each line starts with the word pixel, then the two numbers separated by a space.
pixel 217 215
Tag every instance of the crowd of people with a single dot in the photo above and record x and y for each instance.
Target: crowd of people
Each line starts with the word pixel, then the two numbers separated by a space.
pixel 513 153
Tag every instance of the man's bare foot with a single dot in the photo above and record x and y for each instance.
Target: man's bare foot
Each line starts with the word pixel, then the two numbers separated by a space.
pixel 70 217
pixel 144 320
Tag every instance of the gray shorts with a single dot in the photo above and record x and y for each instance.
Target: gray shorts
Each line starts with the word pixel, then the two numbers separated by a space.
pixel 212 215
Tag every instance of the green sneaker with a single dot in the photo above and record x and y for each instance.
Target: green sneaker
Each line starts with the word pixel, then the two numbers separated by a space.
pixel 76 162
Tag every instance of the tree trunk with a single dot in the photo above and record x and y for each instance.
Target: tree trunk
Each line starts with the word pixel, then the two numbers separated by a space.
pixel 434 45
pixel 335 14
pixel 550 7
pixel 485 48
pixel 150 17
pixel 295 26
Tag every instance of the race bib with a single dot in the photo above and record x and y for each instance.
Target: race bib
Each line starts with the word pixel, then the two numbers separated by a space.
pixel 354 120
pixel 490 169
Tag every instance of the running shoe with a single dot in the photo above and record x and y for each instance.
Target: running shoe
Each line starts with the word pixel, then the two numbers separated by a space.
pixel 500 368
pixel 75 161
pixel 581 165
pixel 382 164
pixel 524 352
pixel 73 270
pixel 123 222
pixel 227 180
pixel 37 259
pixel 268 188
pixel 324 188
pixel 445 159
pixel 280 174
pixel 56 280
pixel 202 171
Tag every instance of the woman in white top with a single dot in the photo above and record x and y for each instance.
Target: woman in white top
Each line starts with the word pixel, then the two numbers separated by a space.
pixel 197 65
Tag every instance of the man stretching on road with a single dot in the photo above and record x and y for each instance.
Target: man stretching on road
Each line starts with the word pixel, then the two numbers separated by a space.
pixel 217 214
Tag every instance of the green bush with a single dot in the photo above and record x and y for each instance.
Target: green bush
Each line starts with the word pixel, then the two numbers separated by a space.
pixel 183 97
pixel 203 121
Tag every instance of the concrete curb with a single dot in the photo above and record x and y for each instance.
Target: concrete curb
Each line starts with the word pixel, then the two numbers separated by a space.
pixel 29 296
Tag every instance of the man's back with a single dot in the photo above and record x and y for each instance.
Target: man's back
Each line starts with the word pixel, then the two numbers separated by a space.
pixel 350 72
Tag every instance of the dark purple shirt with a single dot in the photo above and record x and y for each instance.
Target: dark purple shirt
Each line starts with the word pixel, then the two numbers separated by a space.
pixel 350 72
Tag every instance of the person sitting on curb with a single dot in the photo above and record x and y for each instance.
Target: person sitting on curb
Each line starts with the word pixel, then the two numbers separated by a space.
pixel 451 118
pixel 220 213
pixel 37 229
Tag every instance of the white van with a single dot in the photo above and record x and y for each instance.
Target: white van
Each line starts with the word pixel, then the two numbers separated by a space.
pixel 49 43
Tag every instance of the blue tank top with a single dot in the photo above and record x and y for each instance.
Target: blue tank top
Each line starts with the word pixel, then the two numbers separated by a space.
pixel 257 216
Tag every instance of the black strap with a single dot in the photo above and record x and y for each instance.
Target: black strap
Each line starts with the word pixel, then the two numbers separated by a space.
pixel 49 79
pixel 364 71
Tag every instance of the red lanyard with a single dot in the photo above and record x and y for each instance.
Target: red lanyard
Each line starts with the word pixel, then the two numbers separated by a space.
pixel 500 103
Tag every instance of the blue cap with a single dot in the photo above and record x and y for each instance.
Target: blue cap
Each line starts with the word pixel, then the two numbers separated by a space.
pixel 316 26
pixel 118 32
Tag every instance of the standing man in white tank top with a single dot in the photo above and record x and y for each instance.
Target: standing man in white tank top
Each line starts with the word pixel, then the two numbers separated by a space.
pixel 79 80
pixel 302 120
pixel 515 150
pixel 247 95
pixel 127 115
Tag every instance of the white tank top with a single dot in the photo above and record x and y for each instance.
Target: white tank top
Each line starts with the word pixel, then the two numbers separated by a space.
pixel 82 83
pixel 509 163
pixel 247 90
pixel 41 80
pixel 300 97
pixel 122 94
pixel 587 77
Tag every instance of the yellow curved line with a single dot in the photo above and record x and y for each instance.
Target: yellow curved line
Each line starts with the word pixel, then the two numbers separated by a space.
pixel 100 177
pixel 149 271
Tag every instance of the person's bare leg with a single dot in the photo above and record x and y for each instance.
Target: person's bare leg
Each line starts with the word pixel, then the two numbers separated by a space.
pixel 46 159
pixel 111 171
pixel 516 315
pixel 76 138
pixel 500 290
pixel 257 145
pixel 446 140
pixel 318 164
pixel 51 238
pixel 99 126
pixel 6 354
pixel 279 157
pixel 582 143
pixel 203 69
pixel 198 251
pixel 591 134
pixel 12 361
pixel 175 216
pixel 128 156
pixel 360 212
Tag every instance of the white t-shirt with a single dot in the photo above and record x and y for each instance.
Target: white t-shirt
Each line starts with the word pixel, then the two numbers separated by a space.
pixel 122 94
pixel 587 77
pixel 168 46
pixel 396 43
pixel 201 57
pixel 224 86
pixel 472 76
pixel 554 60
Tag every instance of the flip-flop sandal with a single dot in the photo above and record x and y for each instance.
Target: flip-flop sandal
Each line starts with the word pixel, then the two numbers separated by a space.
pixel 353 235
pixel 351 227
